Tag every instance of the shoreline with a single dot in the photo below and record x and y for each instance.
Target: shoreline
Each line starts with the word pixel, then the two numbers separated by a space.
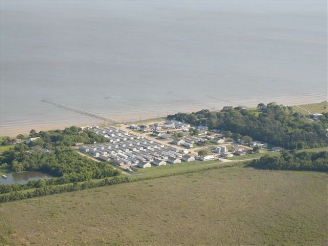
pixel 132 118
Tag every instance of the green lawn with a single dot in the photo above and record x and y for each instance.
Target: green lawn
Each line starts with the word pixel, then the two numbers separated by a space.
pixel 313 108
pixel 255 111
pixel 4 148
pixel 147 121
pixel 168 166
pixel 314 150
pixel 252 156
pixel 258 155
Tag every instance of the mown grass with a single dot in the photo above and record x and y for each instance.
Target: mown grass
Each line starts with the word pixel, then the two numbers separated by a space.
pixel 255 155
pixel 254 111
pixel 168 166
pixel 4 148
pixel 314 150
pixel 266 152
pixel 147 121
pixel 229 206
pixel 313 108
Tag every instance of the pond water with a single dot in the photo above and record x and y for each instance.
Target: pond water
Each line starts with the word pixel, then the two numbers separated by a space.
pixel 22 177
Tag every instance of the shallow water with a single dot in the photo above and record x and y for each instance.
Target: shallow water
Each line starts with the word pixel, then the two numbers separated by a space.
pixel 130 59
pixel 23 177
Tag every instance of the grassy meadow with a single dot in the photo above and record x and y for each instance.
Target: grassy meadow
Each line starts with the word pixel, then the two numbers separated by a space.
pixel 178 166
pixel 5 148
pixel 228 206
pixel 254 155
pixel 313 108
pixel 314 150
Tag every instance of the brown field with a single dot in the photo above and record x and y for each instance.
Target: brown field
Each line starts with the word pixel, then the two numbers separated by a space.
pixel 229 206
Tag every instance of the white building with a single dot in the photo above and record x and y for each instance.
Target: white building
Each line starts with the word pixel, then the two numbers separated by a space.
pixel 31 139
pixel 218 140
pixel 143 164
pixel 188 145
pixel 188 158
pixel 207 158
pixel 221 149
pixel 173 160
pixel 158 162
pixel 316 116
pixel 200 127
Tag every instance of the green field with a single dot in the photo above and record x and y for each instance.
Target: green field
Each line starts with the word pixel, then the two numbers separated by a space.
pixel 4 148
pixel 173 167
pixel 228 206
pixel 146 121
pixel 314 150
pixel 313 108
pixel 255 155
pixel 255 111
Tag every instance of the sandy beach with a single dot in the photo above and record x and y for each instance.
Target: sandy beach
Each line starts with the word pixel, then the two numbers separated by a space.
pixel 128 117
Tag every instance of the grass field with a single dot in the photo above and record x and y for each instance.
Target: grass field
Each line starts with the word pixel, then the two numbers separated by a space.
pixel 229 206
pixel 254 155
pixel 313 108
pixel 270 153
pixel 172 167
pixel 314 150
pixel 145 121
pixel 4 148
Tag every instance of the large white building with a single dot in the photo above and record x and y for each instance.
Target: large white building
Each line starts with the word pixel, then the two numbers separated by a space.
pixel 221 149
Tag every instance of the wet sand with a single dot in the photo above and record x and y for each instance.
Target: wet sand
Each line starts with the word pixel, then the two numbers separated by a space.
pixel 129 117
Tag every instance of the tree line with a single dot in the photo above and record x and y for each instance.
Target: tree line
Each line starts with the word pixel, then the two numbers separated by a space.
pixel 67 137
pixel 271 123
pixel 291 160
pixel 57 189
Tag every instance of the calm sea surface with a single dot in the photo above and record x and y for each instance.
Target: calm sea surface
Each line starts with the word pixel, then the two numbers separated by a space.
pixel 128 59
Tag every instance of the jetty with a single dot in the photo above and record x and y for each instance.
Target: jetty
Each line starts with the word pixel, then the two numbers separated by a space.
pixel 80 111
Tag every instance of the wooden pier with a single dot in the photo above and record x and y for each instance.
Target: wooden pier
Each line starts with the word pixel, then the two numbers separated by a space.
pixel 80 111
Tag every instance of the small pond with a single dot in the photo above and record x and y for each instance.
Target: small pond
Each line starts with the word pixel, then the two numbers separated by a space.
pixel 22 177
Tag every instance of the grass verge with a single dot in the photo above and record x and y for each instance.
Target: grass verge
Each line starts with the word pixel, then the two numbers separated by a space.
pixel 182 165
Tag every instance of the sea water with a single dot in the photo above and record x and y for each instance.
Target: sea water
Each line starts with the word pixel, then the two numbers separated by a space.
pixel 126 60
